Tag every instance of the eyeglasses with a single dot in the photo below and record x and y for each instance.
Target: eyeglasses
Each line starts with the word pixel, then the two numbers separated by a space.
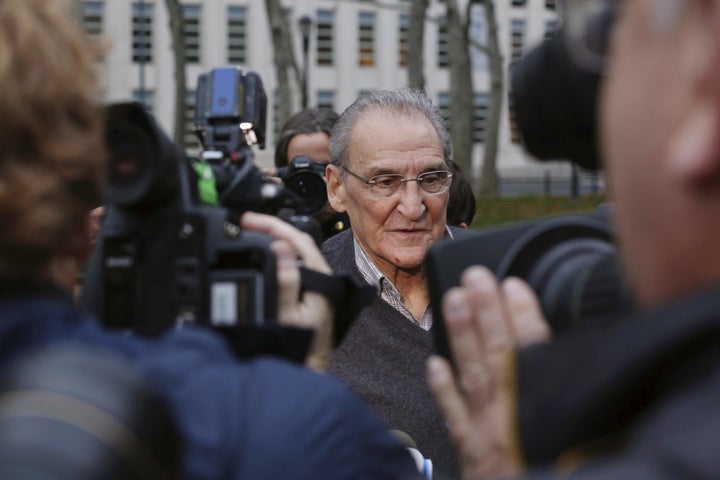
pixel 386 185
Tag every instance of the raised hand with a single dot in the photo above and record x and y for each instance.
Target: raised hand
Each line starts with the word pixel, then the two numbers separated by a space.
pixel 486 323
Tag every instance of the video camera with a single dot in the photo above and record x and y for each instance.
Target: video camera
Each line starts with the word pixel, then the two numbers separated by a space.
pixel 171 251
pixel 569 261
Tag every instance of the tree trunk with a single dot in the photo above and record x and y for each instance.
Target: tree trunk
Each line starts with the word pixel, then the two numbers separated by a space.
pixel 461 88
pixel 283 58
pixel 415 50
pixel 175 15
pixel 488 187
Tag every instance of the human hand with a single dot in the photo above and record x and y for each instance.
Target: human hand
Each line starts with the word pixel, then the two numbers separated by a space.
pixel 485 324
pixel 313 310
pixel 271 174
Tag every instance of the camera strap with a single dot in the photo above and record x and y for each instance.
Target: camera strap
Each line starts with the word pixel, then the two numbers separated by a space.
pixel 346 296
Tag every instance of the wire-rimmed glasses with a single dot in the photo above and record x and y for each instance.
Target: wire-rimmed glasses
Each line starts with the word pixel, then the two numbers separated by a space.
pixel 387 184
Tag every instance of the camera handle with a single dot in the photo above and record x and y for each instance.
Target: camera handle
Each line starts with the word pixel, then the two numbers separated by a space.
pixel 346 296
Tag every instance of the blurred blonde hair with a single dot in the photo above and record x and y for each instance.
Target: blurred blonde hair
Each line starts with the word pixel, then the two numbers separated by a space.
pixel 52 154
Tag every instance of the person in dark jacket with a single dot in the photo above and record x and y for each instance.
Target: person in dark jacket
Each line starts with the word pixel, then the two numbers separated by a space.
pixel 634 399
pixel 391 172
pixel 255 419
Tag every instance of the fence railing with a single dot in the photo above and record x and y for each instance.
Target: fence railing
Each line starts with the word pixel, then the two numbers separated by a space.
pixel 574 184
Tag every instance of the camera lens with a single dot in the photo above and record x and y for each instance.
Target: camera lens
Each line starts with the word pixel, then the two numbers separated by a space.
pixel 311 188
pixel 143 163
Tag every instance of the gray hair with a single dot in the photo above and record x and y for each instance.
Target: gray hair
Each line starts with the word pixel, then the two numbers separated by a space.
pixel 407 101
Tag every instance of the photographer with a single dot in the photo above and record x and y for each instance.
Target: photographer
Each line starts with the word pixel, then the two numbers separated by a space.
pixel 635 399
pixel 253 419
pixel 306 136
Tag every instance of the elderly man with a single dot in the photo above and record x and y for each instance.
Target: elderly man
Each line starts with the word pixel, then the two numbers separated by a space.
pixel 637 399
pixel 391 173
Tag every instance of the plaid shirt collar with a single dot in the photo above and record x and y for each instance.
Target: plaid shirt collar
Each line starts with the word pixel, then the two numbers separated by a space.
pixel 385 287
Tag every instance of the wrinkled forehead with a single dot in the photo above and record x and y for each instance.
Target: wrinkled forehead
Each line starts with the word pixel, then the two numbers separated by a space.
pixel 389 134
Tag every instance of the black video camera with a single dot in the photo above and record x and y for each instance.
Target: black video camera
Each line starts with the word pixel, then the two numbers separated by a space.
pixel 171 251
pixel 570 261
pixel 307 180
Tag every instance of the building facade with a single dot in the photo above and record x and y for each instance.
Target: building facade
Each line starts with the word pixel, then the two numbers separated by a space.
pixel 354 45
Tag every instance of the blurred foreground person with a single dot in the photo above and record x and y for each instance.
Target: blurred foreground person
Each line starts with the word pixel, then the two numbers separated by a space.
pixel 637 399
pixel 254 419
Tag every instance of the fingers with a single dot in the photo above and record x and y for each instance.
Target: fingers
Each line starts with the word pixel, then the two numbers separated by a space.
pixel 448 396
pixel 489 306
pixel 484 321
pixel 288 278
pixel 526 317
pixel 466 344
pixel 303 243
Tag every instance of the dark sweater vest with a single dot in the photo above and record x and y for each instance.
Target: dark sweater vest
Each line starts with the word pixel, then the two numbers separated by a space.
pixel 382 359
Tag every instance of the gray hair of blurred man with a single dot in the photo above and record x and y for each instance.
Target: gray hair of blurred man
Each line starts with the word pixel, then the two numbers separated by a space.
pixel 406 101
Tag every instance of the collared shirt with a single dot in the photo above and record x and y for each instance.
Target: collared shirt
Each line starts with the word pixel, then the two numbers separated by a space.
pixel 385 287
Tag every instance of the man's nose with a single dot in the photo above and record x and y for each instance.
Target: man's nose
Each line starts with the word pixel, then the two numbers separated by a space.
pixel 411 202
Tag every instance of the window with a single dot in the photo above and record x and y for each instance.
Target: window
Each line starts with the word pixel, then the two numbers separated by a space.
pixel 403 26
pixel 191 141
pixel 366 39
pixel 237 35
pixel 517 40
pixel 142 44
pixel 514 132
pixel 519 3
pixel 550 4
pixel 324 42
pixel 191 29
pixel 145 97
pixel 550 26
pixel 477 34
pixel 481 107
pixel 275 118
pixel 442 45
pixel 92 21
pixel 326 99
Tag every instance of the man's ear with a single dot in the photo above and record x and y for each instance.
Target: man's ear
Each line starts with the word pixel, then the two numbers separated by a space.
pixel 335 188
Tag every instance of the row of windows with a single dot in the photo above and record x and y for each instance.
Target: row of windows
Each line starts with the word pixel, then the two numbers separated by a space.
pixel 549 4
pixel 326 98
pixel 237 41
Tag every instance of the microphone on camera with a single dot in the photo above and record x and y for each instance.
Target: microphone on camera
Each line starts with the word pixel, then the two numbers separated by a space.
pixel 424 465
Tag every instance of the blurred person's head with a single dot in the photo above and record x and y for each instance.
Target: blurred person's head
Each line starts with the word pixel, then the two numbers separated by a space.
pixel 306 133
pixel 391 133
pixel 52 157
pixel 461 207
pixel 660 131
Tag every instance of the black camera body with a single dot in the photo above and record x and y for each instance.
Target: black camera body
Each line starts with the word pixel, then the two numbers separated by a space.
pixel 171 251
pixel 164 259
pixel 306 179
pixel 569 261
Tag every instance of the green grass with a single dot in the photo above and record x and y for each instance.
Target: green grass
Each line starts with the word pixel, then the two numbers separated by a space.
pixel 504 210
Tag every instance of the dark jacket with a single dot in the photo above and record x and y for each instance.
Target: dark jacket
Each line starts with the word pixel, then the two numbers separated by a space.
pixel 261 419
pixel 382 359
pixel 637 399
